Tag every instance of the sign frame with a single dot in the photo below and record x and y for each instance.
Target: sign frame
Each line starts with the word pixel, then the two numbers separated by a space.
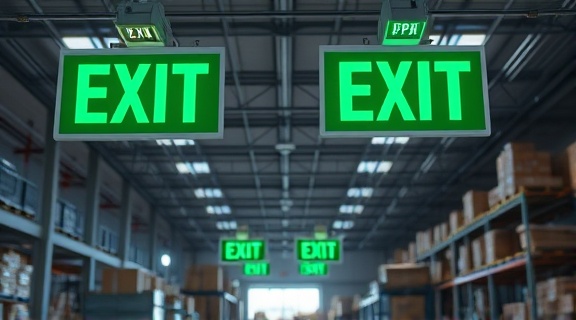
pixel 424 133
pixel 242 262
pixel 323 276
pixel 329 262
pixel 137 136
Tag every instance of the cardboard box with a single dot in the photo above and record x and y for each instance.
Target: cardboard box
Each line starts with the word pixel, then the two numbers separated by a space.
pixel 475 203
pixel 495 195
pixel 408 308
pixel 567 304
pixel 478 249
pixel 342 305
pixel 456 221
pixel 424 241
pixel 405 275
pixel 548 237
pixel 156 283
pixel 207 307
pixel 464 259
pixel 400 256
pixel 125 281
pixel 515 311
pixel 205 278
pixel 560 286
pixel 440 271
pixel 500 244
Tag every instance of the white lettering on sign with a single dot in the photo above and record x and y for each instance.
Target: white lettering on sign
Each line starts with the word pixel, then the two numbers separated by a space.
pixel 139 33
pixel 400 28
pixel 243 250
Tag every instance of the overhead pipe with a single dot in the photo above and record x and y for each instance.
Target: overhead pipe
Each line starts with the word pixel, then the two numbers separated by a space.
pixel 300 14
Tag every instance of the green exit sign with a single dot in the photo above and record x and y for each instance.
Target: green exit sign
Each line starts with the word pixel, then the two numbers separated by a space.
pixel 403 32
pixel 425 91
pixel 329 250
pixel 142 35
pixel 237 251
pixel 313 269
pixel 136 94
pixel 256 269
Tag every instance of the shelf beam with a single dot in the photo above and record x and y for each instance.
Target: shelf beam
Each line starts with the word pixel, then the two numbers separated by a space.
pixel 20 224
pixel 85 250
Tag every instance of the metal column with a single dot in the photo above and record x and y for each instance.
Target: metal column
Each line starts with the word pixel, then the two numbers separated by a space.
pixel 455 294
pixel 492 287
pixel 92 212
pixel 530 272
pixel 43 249
pixel 153 240
pixel 469 288
pixel 126 223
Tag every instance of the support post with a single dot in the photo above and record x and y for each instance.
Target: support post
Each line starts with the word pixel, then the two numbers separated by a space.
pixel 44 247
pixel 492 298
pixel 530 273
pixel 153 240
pixel 469 287
pixel 126 223
pixel 92 213
pixel 455 293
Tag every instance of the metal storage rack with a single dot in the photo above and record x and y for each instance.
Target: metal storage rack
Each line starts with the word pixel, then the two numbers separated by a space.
pixel 520 209
pixel 377 307
pixel 227 304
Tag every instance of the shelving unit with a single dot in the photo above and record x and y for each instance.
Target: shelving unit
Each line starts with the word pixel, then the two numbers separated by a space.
pixel 227 303
pixel 377 306
pixel 521 209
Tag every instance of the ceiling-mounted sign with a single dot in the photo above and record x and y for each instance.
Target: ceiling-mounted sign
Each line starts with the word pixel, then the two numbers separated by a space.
pixel 425 91
pixel 403 32
pixel 237 251
pixel 313 269
pixel 256 269
pixel 136 94
pixel 327 250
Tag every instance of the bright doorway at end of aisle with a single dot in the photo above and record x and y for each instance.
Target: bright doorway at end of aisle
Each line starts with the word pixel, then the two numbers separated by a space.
pixel 276 303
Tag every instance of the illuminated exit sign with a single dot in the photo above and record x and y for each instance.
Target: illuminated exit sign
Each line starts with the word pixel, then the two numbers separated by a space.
pixel 135 94
pixel 329 250
pixel 256 269
pixel 237 251
pixel 426 91
pixel 404 32
pixel 144 35
pixel 313 269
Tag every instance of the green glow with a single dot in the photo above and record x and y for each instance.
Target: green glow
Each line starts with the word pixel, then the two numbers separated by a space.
pixel 424 91
pixel 160 94
pixel 131 98
pixel 141 96
pixel 190 72
pixel 86 92
pixel 395 95
pixel 233 250
pixel 140 35
pixel 256 269
pixel 403 32
pixel 349 90
pixel 453 69
pixel 411 91
pixel 313 269
pixel 318 250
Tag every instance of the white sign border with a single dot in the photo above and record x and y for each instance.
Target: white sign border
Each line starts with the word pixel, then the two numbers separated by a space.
pixel 137 136
pixel 428 133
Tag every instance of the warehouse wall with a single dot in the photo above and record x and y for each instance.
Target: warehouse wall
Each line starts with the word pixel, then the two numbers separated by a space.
pixel 358 268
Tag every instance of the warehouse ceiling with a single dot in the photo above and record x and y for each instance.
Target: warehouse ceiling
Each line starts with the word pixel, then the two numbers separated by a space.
pixel 271 171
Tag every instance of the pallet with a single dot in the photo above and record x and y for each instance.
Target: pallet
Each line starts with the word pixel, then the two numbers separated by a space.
pixel 68 234
pixel 17 211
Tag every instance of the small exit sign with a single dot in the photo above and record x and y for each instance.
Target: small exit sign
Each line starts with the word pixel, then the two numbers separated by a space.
pixel 236 251
pixel 403 32
pixel 256 269
pixel 329 250
pixel 313 269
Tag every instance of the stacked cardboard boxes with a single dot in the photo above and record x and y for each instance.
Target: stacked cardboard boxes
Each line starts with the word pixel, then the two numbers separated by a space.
pixel 401 256
pixel 440 233
pixel 424 241
pixel 475 203
pixel 544 237
pixel 556 298
pixel 520 164
pixel 407 275
pixel 456 221
pixel 464 259
pixel 515 311
pixel 124 281
pixel 500 244
pixel 408 308
pixel 205 278
pixel 440 271
pixel 478 250
pixel 15 274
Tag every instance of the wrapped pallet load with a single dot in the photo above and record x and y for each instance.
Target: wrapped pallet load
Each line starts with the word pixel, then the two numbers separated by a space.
pixel 475 203
pixel 543 237
pixel 406 275
pixel 500 244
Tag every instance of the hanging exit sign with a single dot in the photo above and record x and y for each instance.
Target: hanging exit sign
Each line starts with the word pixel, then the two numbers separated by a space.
pixel 313 269
pixel 237 251
pixel 421 91
pixel 403 32
pixel 256 269
pixel 328 250
pixel 136 94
